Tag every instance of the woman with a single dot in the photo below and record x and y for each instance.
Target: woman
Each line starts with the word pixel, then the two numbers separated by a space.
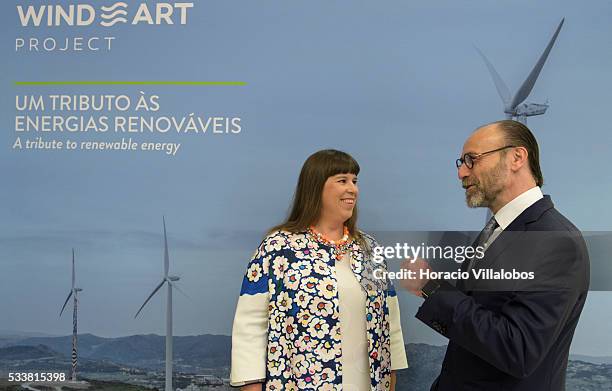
pixel 311 316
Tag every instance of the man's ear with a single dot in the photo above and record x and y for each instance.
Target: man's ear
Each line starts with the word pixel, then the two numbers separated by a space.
pixel 519 157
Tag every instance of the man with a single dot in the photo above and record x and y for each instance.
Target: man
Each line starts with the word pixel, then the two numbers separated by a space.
pixel 512 333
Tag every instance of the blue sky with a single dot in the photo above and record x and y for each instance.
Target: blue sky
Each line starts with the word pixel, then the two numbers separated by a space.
pixel 396 84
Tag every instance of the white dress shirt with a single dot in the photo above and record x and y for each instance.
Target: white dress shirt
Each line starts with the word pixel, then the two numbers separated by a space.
pixel 513 209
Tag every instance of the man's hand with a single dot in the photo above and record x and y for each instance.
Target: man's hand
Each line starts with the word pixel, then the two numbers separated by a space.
pixel 414 283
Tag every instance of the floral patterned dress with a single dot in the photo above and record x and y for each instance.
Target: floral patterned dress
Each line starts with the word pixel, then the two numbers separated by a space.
pixel 287 331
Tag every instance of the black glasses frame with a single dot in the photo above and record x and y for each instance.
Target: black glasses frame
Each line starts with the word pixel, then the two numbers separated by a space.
pixel 469 158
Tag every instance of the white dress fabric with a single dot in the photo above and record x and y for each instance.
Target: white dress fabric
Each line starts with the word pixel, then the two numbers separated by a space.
pixel 352 303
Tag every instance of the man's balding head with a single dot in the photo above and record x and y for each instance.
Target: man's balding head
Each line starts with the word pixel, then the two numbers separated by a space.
pixel 519 135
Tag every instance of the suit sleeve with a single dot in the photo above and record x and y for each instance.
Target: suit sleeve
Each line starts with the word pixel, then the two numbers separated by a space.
pixel 250 328
pixel 518 336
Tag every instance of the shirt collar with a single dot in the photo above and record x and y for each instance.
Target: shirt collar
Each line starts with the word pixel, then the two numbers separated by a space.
pixel 514 208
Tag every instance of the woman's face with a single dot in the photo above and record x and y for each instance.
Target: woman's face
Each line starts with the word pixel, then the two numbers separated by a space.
pixel 339 197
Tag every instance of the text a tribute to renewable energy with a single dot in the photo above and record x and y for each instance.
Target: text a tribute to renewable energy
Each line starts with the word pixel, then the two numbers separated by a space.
pixel 514 108
pixel 170 281
pixel 74 293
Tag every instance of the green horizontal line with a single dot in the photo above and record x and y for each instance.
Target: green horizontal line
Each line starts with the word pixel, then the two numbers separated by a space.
pixel 131 83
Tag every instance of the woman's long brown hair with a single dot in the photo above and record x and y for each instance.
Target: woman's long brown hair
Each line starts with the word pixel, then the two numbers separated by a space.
pixel 306 208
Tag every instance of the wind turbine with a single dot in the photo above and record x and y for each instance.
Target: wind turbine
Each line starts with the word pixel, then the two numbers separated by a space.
pixel 514 108
pixel 169 280
pixel 73 292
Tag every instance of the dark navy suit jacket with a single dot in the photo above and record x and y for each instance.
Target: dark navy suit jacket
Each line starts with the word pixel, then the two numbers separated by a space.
pixel 518 336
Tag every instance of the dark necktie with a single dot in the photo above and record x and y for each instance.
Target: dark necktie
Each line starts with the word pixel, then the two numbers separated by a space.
pixel 487 231
pixel 484 236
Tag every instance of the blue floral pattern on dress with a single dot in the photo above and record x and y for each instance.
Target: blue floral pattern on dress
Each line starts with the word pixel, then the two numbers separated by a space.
pixel 304 332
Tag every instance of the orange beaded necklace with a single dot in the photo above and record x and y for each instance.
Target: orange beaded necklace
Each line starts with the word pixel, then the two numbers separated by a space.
pixel 341 246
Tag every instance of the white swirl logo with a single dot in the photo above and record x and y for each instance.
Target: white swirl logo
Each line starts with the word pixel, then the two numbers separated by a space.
pixel 114 14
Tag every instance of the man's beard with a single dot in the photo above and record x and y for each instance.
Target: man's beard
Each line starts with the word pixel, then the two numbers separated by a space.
pixel 485 191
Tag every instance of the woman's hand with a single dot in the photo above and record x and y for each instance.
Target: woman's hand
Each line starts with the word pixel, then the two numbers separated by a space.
pixel 393 380
pixel 252 387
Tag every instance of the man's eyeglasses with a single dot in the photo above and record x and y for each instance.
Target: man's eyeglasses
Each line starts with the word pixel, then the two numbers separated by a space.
pixel 469 158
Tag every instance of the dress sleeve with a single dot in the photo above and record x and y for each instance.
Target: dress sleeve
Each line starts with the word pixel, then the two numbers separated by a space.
pixel 398 349
pixel 250 329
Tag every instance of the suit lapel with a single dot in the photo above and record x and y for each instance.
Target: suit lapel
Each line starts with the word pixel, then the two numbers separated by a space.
pixel 512 232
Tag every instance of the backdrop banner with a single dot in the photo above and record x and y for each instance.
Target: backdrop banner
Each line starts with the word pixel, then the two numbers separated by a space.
pixel 147 147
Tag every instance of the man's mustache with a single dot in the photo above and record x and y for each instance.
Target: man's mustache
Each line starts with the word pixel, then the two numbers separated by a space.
pixel 465 184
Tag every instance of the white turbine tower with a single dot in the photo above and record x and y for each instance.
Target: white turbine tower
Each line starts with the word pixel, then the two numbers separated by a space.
pixel 74 293
pixel 514 108
pixel 169 280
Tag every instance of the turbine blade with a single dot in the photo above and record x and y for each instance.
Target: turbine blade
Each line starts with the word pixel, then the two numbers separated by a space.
pixel 523 92
pixel 150 296
pixel 66 302
pixel 166 257
pixel 181 291
pixel 502 88
pixel 73 276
